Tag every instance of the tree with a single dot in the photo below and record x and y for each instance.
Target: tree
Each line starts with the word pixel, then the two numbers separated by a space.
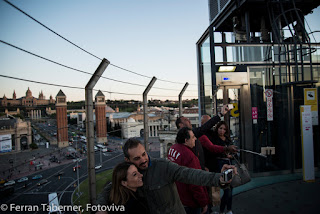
pixel 33 146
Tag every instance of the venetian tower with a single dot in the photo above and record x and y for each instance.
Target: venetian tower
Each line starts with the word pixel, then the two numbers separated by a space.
pixel 62 121
pixel 101 122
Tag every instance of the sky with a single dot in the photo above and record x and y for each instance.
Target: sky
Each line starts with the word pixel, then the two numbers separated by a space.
pixel 149 37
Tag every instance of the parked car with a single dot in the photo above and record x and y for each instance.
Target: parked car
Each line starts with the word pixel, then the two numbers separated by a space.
pixel 38 167
pixel 23 179
pixel 53 159
pixel 98 167
pixel 42 182
pixel 9 183
pixel 36 177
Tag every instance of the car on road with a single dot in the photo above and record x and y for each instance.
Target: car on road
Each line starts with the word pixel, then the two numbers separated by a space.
pixel 43 181
pixel 59 174
pixel 76 167
pixel 36 177
pixel 98 167
pixel 77 160
pixel 9 183
pixel 95 148
pixel 23 179
pixel 102 147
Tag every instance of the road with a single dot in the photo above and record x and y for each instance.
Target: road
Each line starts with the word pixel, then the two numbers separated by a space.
pixel 64 184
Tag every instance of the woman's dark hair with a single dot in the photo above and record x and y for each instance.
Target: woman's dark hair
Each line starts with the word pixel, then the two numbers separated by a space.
pixel 120 194
pixel 227 134
pixel 183 134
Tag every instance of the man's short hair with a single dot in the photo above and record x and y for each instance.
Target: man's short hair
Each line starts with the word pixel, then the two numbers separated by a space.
pixel 178 121
pixel 129 144
pixel 183 135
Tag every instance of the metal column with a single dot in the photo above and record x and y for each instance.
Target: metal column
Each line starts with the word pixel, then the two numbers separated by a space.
pixel 90 129
pixel 145 113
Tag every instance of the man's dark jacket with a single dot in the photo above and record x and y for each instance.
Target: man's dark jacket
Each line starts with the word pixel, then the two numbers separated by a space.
pixel 198 132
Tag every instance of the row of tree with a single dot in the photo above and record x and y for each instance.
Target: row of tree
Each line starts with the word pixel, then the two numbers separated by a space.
pixel 132 105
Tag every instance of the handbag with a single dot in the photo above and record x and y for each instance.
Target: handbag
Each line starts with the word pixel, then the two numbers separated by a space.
pixel 243 176
pixel 216 201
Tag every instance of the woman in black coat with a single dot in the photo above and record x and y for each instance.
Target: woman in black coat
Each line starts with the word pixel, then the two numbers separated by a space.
pixel 126 179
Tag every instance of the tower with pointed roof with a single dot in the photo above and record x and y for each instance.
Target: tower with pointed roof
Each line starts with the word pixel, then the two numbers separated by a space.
pixel 101 122
pixel 14 96
pixel 41 97
pixel 4 101
pixel 62 121
pixel 28 93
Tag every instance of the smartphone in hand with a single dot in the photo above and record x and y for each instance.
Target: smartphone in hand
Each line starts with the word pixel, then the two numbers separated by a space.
pixel 227 175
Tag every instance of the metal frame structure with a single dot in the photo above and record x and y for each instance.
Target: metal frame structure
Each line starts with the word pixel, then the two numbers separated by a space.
pixel 286 63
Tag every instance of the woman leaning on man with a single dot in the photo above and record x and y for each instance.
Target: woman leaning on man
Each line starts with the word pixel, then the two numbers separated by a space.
pixel 126 180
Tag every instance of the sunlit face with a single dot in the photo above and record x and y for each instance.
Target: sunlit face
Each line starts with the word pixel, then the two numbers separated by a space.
pixel 191 142
pixel 139 157
pixel 185 122
pixel 134 179
pixel 222 130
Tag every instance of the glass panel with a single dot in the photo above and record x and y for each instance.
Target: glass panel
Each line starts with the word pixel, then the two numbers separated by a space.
pixel 306 73
pixel 316 74
pixel 315 50
pixel 269 133
pixel 218 54
pixel 244 53
pixel 206 78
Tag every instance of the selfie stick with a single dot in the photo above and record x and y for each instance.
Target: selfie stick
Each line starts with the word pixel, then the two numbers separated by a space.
pixel 255 153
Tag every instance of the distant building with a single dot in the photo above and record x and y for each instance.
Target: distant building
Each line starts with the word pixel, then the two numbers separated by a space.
pixel 132 123
pixel 193 115
pixel 132 128
pixel 26 101
pixel 15 134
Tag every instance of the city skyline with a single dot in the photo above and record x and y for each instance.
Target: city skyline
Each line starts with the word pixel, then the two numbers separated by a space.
pixel 150 38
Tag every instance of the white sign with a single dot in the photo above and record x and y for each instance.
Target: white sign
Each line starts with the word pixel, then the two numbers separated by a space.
pixel 307 143
pixel 269 96
pixel 311 98
pixel 311 95
pixel 5 143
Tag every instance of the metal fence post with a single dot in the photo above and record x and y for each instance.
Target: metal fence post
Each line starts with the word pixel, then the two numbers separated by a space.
pixel 145 113
pixel 90 129
pixel 180 98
